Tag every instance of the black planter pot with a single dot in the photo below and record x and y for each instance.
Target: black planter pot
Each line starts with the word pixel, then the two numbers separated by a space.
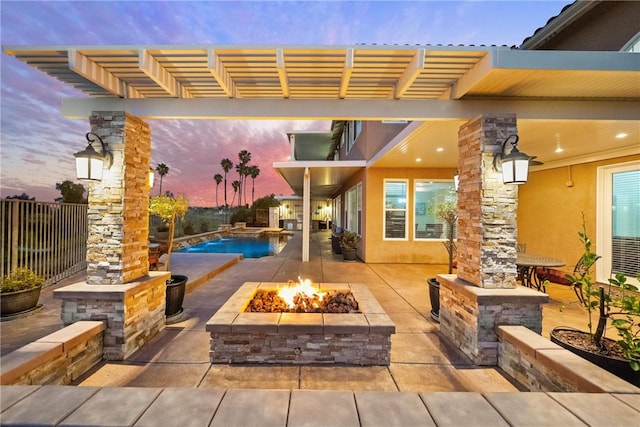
pixel 175 295
pixel 349 254
pixel 618 367
pixel 14 303
pixel 434 297
pixel 335 243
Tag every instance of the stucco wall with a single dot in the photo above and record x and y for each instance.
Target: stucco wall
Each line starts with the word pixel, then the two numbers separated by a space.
pixel 550 212
pixel 376 249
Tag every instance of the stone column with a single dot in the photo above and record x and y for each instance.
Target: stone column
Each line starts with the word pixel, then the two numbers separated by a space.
pixel 119 288
pixel 487 208
pixel 117 250
pixel 484 295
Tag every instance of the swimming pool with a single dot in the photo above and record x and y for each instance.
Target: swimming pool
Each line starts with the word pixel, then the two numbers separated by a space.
pixel 250 247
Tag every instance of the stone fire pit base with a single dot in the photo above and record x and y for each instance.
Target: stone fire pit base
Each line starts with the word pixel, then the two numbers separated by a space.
pixel 301 338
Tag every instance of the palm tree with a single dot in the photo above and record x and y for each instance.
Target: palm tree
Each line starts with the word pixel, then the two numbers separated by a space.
pixel 218 178
pixel 162 170
pixel 254 171
pixel 241 169
pixel 245 157
pixel 236 186
pixel 227 165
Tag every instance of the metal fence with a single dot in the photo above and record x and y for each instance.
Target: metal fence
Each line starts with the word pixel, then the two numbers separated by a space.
pixel 48 238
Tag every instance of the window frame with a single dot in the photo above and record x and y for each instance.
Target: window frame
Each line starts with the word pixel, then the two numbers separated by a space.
pixel 405 210
pixel 415 204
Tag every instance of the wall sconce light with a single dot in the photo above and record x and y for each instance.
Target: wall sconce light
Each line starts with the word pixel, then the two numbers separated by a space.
pixel 515 165
pixel 456 180
pixel 152 176
pixel 90 163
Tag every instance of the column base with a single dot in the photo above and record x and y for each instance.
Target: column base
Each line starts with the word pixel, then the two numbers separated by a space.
pixel 134 311
pixel 470 316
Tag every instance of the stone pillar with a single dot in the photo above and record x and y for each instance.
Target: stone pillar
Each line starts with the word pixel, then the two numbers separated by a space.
pixel 487 231
pixel 117 249
pixel 484 295
pixel 119 288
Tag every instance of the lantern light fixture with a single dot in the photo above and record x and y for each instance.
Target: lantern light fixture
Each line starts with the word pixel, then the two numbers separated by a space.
pixel 514 165
pixel 456 180
pixel 152 176
pixel 90 163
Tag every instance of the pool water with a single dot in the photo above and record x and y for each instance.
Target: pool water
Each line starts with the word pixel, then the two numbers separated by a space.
pixel 250 247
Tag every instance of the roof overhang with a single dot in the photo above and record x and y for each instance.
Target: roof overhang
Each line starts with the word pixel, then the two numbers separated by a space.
pixel 326 177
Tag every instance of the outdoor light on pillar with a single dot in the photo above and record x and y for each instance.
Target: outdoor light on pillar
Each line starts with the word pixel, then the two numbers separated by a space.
pixel 515 165
pixel 151 177
pixel 456 180
pixel 90 163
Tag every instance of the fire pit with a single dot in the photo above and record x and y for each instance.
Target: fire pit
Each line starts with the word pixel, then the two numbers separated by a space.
pixel 361 336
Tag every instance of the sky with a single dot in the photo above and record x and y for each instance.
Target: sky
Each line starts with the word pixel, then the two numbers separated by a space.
pixel 37 143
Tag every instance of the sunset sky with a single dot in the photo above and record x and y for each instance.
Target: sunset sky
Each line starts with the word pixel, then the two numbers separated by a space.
pixel 37 143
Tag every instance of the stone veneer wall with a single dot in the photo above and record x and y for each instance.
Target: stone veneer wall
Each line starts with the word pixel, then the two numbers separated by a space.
pixel 470 316
pixel 117 250
pixel 487 231
pixel 134 312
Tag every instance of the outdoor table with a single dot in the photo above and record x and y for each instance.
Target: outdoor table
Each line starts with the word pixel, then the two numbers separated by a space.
pixel 528 264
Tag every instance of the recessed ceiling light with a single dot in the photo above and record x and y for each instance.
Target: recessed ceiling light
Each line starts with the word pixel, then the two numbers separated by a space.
pixel 439 149
pixel 621 135
pixel 559 150
pixel 418 159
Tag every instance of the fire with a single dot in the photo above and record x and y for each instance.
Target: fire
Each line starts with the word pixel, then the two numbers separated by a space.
pixel 302 290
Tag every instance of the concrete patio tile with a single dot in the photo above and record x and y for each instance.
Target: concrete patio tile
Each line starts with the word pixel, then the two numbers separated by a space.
pixel 177 347
pixel 120 406
pixel 632 400
pixel 147 375
pixel 192 319
pixel 11 395
pixel 425 347
pixel 251 377
pixel 412 322
pixel 187 407
pixel 310 323
pixel 242 408
pixel 453 409
pixel 412 377
pixel 584 405
pixel 374 378
pixel 391 409
pixel 532 409
pixel 47 406
pixel 322 408
pixel 481 379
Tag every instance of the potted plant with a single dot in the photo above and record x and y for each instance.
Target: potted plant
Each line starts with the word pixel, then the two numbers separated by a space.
pixel 447 211
pixel 349 245
pixel 169 209
pixel 162 232
pixel 620 303
pixel 19 292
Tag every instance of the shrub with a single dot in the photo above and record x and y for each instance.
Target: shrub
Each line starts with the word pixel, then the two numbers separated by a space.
pixel 20 280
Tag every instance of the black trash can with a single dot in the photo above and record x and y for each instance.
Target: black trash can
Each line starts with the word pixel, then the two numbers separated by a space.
pixel 434 297
pixel 175 295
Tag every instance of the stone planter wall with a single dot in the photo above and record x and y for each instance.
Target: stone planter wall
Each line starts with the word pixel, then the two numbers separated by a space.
pixel 134 312
pixel 540 365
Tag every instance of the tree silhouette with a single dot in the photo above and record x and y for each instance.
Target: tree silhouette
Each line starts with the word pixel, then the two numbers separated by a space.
pixel 227 165
pixel 254 171
pixel 245 157
pixel 236 186
pixel 23 196
pixel 218 178
pixel 162 170
pixel 71 193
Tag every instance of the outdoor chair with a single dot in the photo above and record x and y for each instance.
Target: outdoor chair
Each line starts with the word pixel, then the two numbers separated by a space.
pixel 558 276
pixel 154 255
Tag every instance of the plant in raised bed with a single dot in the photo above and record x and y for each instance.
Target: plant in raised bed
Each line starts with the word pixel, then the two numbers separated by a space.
pixel 20 291
pixel 618 302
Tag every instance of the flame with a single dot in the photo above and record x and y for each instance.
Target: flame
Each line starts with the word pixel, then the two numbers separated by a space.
pixel 303 288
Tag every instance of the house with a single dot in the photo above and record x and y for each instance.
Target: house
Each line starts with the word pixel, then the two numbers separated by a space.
pixel 406 166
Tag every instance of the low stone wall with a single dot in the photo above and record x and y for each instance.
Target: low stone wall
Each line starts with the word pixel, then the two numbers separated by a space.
pixel 540 365
pixel 470 316
pixel 58 358
pixel 134 312
pixel 301 338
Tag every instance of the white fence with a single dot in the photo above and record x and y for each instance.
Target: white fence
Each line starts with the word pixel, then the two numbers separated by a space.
pixel 48 238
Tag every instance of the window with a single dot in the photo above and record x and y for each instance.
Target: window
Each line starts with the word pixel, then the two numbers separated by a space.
pixel 618 223
pixel 352 129
pixel 337 211
pixel 428 195
pixel 395 209
pixel 354 208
